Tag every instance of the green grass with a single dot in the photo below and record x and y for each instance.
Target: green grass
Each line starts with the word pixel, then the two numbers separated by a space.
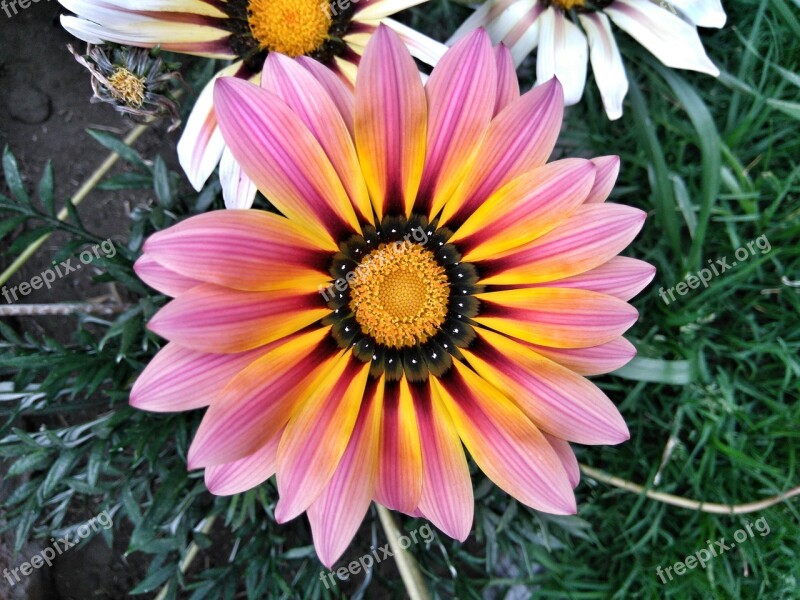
pixel 715 164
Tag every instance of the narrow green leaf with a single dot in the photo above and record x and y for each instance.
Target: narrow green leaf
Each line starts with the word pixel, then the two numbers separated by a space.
pixel 114 144
pixel 46 189
pixel 13 178
pixel 653 370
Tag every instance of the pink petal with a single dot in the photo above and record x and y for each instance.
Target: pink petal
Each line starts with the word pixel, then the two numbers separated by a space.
pixel 245 250
pixel 221 320
pixel 605 178
pixel 595 360
pixel 621 277
pixel 310 101
pixel 246 473
pixel 507 82
pixel 556 317
pixel 590 237
pixel 400 470
pixel 567 458
pixel 504 443
pixel 180 379
pixel 338 512
pixel 317 436
pixel 341 95
pixel 447 498
pixel 282 157
pixel 519 139
pixel 460 109
pixel 258 402
pixel 390 123
pixel 557 400
pixel 160 278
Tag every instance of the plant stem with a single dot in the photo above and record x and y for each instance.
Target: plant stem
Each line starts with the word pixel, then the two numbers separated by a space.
pixel 61 310
pixel 696 505
pixel 409 571
pixel 80 195
pixel 191 553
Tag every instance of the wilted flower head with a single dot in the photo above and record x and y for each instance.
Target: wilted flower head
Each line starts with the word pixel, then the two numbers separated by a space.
pixel 135 81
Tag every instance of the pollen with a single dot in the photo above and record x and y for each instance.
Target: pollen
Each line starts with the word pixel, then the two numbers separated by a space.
pixel 291 27
pixel 127 87
pixel 569 4
pixel 400 295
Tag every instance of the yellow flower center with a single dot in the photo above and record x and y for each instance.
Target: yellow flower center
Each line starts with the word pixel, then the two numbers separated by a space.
pixel 400 295
pixel 127 87
pixel 569 4
pixel 291 27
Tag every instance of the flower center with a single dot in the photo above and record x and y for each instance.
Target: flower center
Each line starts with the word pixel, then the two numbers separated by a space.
pixel 400 295
pixel 127 87
pixel 569 4
pixel 291 27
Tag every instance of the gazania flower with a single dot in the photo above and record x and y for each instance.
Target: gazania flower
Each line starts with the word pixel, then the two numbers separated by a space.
pixel 667 28
pixel 243 31
pixel 430 281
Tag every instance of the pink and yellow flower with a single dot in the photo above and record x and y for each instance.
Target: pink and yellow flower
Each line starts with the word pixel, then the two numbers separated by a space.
pixel 243 31
pixel 430 281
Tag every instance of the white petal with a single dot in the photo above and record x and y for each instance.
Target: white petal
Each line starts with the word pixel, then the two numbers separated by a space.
pixel 421 46
pixel 563 52
pixel 671 39
pixel 524 36
pixel 498 17
pixel 381 8
pixel 237 188
pixel 201 144
pixel 609 72
pixel 704 13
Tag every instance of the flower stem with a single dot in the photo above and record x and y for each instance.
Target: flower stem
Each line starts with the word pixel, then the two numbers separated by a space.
pixel 80 195
pixel 409 571
pixel 191 552
pixel 61 309
pixel 696 505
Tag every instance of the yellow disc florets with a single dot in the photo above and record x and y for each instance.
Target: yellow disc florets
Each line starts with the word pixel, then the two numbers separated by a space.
pixel 400 295
pixel 127 87
pixel 291 27
pixel 569 4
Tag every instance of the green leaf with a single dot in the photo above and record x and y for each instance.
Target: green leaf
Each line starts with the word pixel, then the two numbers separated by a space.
pixel 61 467
pixel 154 579
pixel 114 144
pixel 13 178
pixel 652 370
pixel 29 462
pixel 46 189
pixel 161 183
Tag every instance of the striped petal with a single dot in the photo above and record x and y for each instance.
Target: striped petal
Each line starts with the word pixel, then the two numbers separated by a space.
pixel 220 320
pixel 504 443
pixel 338 512
pixel 595 360
pixel 562 53
pixel 318 435
pixel 590 237
pixel 567 458
pixel 180 379
pixel 390 123
pixel 507 81
pixel 525 209
pixel 519 139
pixel 246 473
pixel 557 400
pixel 557 317
pixel 237 189
pixel 341 95
pixel 400 470
pixel 606 173
pixel 282 157
pixel 703 13
pixel 671 39
pixel 378 9
pixel 201 145
pixel 498 18
pixel 309 100
pixel 524 36
pixel 160 278
pixel 460 109
pixel 258 402
pixel 621 277
pixel 447 499
pixel 609 72
pixel 244 250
